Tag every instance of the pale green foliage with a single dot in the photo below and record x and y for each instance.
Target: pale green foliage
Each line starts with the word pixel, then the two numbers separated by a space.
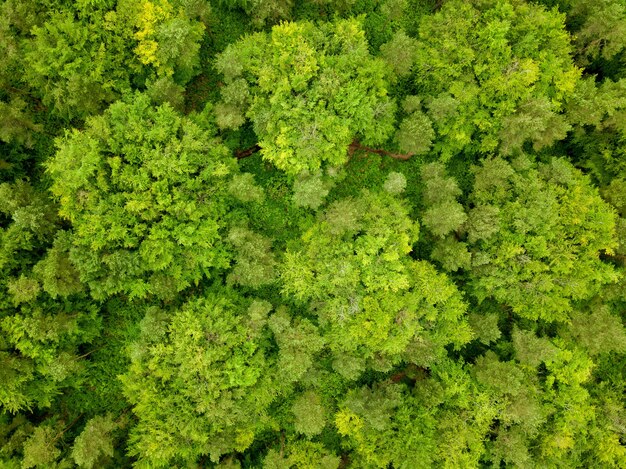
pixel 485 326
pixel 312 91
pixel 94 442
pixel 374 303
pixel 376 234
pixel 494 75
pixel 254 261
pixel 202 385
pixel 310 190
pixel 533 120
pixel 439 188
pixel 298 340
pixel 451 254
pixel 501 377
pixel 400 52
pixel 309 414
pixel 394 9
pixel 23 289
pixel 553 225
pixel 145 206
pixel 483 222
pixel 301 455
pixel 415 134
pixel 235 97
pixel 40 448
pixel 444 217
pixel 244 189
pixel 165 90
pixel 58 275
pixel 532 350
pixel 395 183
pixel 598 331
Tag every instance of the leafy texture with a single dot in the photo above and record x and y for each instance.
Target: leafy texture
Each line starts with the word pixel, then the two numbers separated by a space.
pixel 312 91
pixel 146 206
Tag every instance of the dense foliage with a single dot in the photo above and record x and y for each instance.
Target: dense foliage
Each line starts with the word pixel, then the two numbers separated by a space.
pixel 312 234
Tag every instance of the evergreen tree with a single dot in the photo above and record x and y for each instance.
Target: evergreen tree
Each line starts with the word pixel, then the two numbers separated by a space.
pixel 147 208
pixel 312 90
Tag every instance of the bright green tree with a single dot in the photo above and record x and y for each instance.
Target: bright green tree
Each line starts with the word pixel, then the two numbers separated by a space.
pixel 375 305
pixel 494 74
pixel 552 227
pixel 145 191
pixel 309 92
pixel 200 380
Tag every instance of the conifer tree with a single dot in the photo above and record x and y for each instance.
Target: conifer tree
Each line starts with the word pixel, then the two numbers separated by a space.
pixel 308 90
pixel 146 206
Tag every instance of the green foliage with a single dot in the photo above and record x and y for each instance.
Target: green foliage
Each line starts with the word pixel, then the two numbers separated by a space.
pixel 254 260
pixel 301 454
pixel 199 380
pixel 40 449
pixel 494 74
pixel 146 208
pixel 240 284
pixel 415 133
pixel 94 442
pixel 599 29
pixel 400 53
pixel 552 227
pixel 168 35
pixel 262 11
pixel 309 414
pixel 309 190
pixel 41 330
pixel 75 64
pixel 312 91
pixel 375 304
pixel 443 216
pixel 395 183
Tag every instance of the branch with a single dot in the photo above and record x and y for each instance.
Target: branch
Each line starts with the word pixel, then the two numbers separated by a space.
pixel 240 154
pixel 354 146
pixel 357 146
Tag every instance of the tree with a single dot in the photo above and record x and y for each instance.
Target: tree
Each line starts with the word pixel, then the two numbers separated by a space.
pixel 200 380
pixel 444 217
pixel 375 305
pixel 147 208
pixel 552 227
pixel 43 320
pixel 81 59
pixel 440 420
pixel 493 75
pixel 598 28
pixel 308 90
pixel 95 442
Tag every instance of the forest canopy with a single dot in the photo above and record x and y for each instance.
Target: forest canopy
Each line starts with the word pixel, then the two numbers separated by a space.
pixel 312 234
